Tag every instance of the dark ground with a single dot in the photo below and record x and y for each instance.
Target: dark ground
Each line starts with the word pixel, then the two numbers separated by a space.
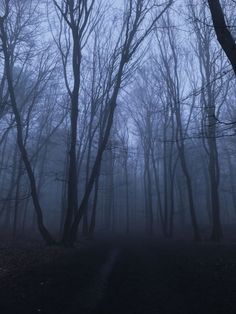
pixel 120 276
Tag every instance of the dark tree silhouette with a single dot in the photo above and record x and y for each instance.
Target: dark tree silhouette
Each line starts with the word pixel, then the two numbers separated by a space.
pixel 223 32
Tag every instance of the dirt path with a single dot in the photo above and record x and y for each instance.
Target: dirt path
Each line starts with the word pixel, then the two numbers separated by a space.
pixel 166 279
pixel 129 277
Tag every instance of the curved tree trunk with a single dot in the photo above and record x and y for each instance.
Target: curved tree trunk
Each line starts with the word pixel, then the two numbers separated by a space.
pixel 20 141
pixel 223 33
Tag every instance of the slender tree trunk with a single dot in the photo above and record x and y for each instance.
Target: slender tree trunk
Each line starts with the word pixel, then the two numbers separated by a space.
pixel 213 162
pixel 172 204
pixel 64 201
pixel 215 201
pixel 149 227
pixel 93 216
pixel 72 192
pixel 166 205
pixel 190 195
pixel 42 229
pixel 5 206
pixel 16 207
pixel 85 217
pixel 127 196
pixel 157 185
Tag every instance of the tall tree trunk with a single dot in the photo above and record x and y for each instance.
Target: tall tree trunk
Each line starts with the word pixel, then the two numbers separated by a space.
pixel 213 159
pixel 127 195
pixel 166 209
pixel 157 185
pixel 214 184
pixel 190 194
pixel 149 210
pixel 20 141
pixel 17 193
pixel 93 216
pixel 72 192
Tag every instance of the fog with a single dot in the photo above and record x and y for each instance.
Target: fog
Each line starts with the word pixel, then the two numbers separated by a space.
pixel 116 119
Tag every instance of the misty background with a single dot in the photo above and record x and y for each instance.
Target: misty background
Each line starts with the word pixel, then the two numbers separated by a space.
pixel 115 117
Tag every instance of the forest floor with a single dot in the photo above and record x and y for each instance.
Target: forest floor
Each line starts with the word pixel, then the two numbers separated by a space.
pixel 119 276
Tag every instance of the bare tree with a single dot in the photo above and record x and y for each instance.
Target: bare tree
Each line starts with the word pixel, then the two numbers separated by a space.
pixel 76 15
pixel 20 139
pixel 129 41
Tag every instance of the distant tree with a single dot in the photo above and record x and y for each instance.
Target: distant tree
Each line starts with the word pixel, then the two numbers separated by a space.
pixel 170 68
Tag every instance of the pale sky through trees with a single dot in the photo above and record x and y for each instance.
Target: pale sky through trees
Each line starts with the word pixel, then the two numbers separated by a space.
pixel 117 156
pixel 115 116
